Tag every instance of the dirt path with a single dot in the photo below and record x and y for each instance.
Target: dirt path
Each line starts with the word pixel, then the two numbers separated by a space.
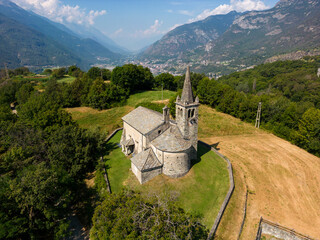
pixel 283 182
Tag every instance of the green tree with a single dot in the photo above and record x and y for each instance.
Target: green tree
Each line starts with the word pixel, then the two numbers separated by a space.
pixel 309 131
pixel 24 93
pixel 59 73
pixel 132 78
pixel 166 80
pixel 128 215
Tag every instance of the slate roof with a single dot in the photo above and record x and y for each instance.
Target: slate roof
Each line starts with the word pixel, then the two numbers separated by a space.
pixel 146 160
pixel 128 142
pixel 143 119
pixel 171 141
pixel 187 94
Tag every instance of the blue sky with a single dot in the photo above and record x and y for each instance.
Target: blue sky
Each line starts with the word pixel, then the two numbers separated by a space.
pixel 136 23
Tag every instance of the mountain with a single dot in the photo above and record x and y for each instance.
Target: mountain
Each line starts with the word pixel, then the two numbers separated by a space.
pixel 86 50
pixel 179 42
pixel 23 46
pixel 250 39
pixel 95 34
pixel 291 25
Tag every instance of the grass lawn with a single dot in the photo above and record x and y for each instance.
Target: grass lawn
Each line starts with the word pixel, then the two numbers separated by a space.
pixel 149 96
pixel 110 119
pixel 106 120
pixel 117 165
pixel 201 191
pixel 66 79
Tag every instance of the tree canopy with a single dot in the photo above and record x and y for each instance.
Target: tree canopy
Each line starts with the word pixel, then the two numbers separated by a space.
pixel 128 215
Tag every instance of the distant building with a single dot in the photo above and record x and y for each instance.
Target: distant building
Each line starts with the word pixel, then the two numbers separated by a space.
pixel 158 144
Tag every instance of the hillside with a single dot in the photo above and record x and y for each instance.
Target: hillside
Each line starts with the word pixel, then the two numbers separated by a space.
pixel 282 179
pixel 180 41
pixel 85 50
pixel 290 25
pixel 24 46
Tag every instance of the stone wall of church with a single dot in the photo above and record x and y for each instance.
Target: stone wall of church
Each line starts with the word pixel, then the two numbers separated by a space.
pixel 148 175
pixel 136 172
pixel 139 139
pixel 176 164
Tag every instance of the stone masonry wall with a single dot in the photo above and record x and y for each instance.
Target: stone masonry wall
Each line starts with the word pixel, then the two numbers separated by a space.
pixel 148 175
pixel 137 137
pixel 281 232
pixel 176 164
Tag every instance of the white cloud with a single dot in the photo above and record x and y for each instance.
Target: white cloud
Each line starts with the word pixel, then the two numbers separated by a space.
pixel 175 26
pixel 56 11
pixel 235 5
pixel 185 12
pixel 153 29
pixel 116 33
pixel 150 32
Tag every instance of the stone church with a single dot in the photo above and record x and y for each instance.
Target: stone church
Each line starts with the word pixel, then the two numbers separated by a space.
pixel 158 144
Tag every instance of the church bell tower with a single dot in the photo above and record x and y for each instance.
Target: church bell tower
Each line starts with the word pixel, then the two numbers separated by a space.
pixel 187 109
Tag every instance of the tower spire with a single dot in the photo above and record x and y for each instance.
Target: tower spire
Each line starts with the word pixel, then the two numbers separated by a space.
pixel 187 94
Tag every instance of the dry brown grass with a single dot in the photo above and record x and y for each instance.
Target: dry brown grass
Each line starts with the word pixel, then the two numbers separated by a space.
pixel 283 180
pixel 165 101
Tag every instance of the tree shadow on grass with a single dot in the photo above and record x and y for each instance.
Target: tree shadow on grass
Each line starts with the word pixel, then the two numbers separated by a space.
pixel 108 148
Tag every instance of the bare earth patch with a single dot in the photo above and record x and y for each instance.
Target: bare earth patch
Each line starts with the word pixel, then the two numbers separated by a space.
pixel 283 182
pixel 165 101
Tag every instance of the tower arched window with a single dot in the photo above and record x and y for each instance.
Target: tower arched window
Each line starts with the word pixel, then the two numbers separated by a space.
pixel 192 113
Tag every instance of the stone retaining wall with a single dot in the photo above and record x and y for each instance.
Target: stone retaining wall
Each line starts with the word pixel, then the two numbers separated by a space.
pixel 244 215
pixel 274 229
pixel 228 196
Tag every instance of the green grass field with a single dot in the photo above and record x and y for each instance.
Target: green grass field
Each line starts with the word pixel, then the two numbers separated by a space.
pixel 66 79
pixel 201 191
pixel 108 120
pixel 149 96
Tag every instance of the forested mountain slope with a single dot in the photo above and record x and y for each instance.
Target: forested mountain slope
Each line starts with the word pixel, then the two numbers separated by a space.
pixel 87 51
pixel 24 46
